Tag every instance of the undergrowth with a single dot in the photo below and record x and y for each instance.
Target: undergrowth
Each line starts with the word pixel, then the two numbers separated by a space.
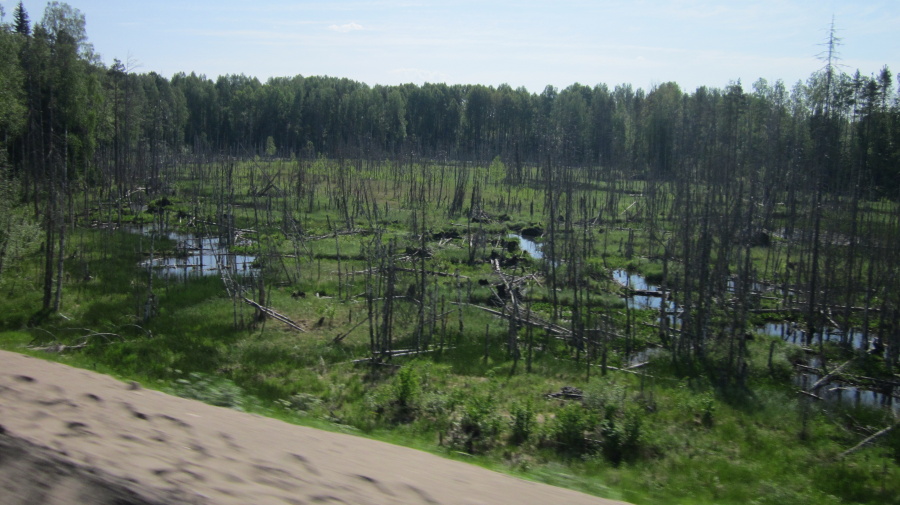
pixel 666 432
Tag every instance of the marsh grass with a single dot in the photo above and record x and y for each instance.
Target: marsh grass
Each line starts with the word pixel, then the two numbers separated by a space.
pixel 668 434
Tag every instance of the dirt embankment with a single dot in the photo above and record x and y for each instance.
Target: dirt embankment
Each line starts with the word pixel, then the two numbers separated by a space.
pixel 69 435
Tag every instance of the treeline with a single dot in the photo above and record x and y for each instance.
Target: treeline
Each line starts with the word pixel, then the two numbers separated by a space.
pixel 60 105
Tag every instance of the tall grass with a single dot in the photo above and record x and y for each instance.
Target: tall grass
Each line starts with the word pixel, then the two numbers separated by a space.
pixel 665 434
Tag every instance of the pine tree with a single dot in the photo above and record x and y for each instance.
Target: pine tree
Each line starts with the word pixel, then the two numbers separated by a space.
pixel 20 20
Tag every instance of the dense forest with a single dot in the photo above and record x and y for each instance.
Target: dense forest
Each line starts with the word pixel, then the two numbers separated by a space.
pixel 59 101
pixel 389 222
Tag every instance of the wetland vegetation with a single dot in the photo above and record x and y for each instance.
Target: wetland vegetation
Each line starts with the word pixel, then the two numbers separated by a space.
pixel 568 285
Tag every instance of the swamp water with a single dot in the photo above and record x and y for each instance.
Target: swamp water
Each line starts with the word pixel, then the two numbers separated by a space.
pixel 834 391
pixel 194 255
pixel 529 246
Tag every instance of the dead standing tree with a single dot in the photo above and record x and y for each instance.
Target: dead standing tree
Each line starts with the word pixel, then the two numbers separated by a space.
pixel 380 278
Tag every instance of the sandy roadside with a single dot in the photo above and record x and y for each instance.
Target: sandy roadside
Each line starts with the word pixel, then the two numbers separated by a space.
pixel 69 435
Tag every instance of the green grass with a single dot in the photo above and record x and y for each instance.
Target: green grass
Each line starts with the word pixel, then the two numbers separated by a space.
pixel 673 435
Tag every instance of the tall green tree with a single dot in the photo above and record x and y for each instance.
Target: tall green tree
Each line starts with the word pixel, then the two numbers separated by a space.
pixel 12 98
pixel 21 23
pixel 61 18
pixel 60 127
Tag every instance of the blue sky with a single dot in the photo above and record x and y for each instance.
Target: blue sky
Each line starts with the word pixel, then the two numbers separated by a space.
pixel 520 43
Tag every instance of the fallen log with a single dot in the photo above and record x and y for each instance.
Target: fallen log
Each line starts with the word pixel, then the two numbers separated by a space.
pixel 391 354
pixel 345 232
pixel 774 311
pixel 811 395
pixel 868 440
pixel 567 393
pixel 59 347
pixel 274 315
pixel 534 322
pixel 794 310
pixel 342 336
pixel 828 377
pixel 414 271
pixel 648 292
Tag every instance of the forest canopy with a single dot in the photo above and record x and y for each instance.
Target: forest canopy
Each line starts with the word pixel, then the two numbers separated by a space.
pixel 58 101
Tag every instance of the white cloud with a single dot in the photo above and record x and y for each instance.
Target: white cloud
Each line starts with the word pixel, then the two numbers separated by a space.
pixel 349 27
pixel 418 75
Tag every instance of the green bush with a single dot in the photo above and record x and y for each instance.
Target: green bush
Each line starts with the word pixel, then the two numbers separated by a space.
pixel 436 408
pixel 703 407
pixel 620 437
pixel 892 440
pixel 406 387
pixel 569 429
pixel 522 422
pixel 302 402
pixel 210 389
pixel 478 426
pixel 620 426
pixel 604 397
pixel 852 482
pixel 398 400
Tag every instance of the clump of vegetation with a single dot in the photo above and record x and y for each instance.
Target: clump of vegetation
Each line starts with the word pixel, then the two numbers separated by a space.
pixel 303 403
pixel 523 422
pixel 570 427
pixel 704 407
pixel 621 436
pixel 477 426
pixel 210 389
pixel 406 390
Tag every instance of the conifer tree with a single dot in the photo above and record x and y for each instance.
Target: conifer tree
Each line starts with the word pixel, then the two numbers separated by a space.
pixel 20 20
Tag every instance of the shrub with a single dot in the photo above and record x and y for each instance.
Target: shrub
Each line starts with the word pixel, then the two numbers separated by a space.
pixel 569 428
pixel 436 408
pixel 893 444
pixel 210 389
pixel 406 387
pixel 604 396
pixel 703 407
pixel 302 402
pixel 522 423
pixel 620 437
pixel 476 430
pixel 620 427
pixel 398 400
